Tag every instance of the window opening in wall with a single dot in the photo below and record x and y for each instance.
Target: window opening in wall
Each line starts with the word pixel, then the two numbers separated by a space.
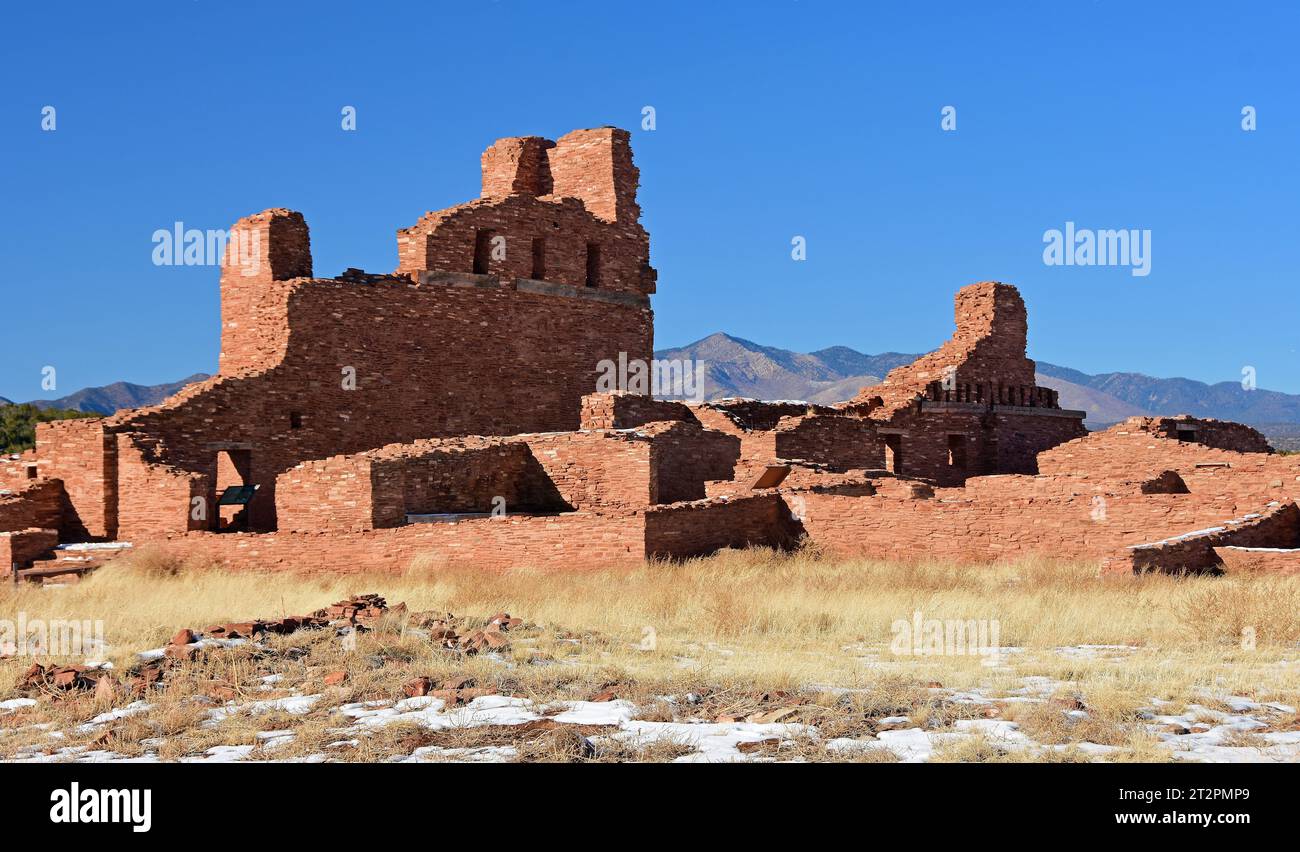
pixel 482 251
pixel 295 420
pixel 539 259
pixel 593 264
pixel 957 451
pixel 894 453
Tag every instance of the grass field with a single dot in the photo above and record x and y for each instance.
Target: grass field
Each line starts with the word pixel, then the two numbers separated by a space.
pixel 791 655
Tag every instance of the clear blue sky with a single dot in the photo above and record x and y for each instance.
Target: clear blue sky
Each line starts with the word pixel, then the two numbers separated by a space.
pixel 774 119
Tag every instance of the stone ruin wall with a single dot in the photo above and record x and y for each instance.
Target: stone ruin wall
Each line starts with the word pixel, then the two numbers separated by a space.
pixel 442 353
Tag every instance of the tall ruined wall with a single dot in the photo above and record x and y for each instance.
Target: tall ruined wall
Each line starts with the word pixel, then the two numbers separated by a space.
pixel 435 360
pixel 563 212
pixel 264 253
pixel 984 361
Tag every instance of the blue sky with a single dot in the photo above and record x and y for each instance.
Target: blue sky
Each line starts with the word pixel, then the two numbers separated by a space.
pixel 774 119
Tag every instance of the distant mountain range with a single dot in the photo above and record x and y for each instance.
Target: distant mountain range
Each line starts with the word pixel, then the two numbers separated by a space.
pixel 111 398
pixel 737 367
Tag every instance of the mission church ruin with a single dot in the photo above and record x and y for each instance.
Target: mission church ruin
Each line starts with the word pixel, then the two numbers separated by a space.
pixel 365 421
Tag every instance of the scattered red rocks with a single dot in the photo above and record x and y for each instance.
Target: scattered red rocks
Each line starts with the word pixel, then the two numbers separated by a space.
pixel 335 678
pixel 452 691
pixel 59 679
pixel 442 633
pixel 769 744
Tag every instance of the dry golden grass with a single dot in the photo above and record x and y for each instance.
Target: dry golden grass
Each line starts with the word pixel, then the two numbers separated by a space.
pixel 726 628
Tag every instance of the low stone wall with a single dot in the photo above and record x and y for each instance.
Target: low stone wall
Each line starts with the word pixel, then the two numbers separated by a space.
pixel 572 541
pixel 698 528
pixel 1000 518
pixel 1258 560
pixel 20 547
pixel 39 504
pixel 627 411
pixel 1195 551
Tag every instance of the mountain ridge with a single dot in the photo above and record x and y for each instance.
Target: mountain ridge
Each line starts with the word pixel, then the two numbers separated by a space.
pixel 108 399
pixel 828 375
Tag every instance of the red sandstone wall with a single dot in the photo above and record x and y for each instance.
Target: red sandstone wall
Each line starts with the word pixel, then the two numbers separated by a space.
pixel 987 351
pixel 17 472
pixel 1277 527
pixel 1007 517
pixel 157 498
pixel 38 504
pixel 334 495
pixel 839 443
pixel 446 241
pixel 266 251
pixel 21 547
pixel 684 456
pixel 443 361
pixel 694 529
pixel 1128 452
pixel 84 456
pixel 573 541
pixel 610 472
pixel 627 411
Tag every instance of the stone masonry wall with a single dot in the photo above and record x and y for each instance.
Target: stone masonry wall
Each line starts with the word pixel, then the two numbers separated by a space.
pixel 38 504
pixel 157 498
pixel 627 411
pixel 1007 517
pixel 21 547
pixel 694 529
pixel 433 361
pixel 83 454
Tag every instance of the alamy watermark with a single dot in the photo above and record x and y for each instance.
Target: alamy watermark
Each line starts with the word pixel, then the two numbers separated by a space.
pixel 675 378
pixel 181 246
pixel 56 637
pixel 1073 246
pixel 944 637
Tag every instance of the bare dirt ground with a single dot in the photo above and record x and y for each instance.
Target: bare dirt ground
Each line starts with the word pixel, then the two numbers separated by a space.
pixel 748 655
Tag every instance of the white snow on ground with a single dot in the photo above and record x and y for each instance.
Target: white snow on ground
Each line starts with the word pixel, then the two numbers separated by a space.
pixel 1199 733
pixel 113 715
pixel 713 742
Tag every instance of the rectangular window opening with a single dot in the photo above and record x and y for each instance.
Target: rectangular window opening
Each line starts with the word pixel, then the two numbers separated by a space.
pixel 957 451
pixel 894 453
pixel 539 258
pixel 593 264
pixel 482 251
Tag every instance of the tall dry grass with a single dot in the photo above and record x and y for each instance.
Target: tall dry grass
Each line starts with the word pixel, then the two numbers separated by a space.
pixel 781 619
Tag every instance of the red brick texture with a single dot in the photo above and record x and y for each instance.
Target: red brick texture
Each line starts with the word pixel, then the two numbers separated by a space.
pixel 571 541
pixel 1258 560
pixel 20 548
pixel 38 503
pixel 83 454
pixel 626 411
